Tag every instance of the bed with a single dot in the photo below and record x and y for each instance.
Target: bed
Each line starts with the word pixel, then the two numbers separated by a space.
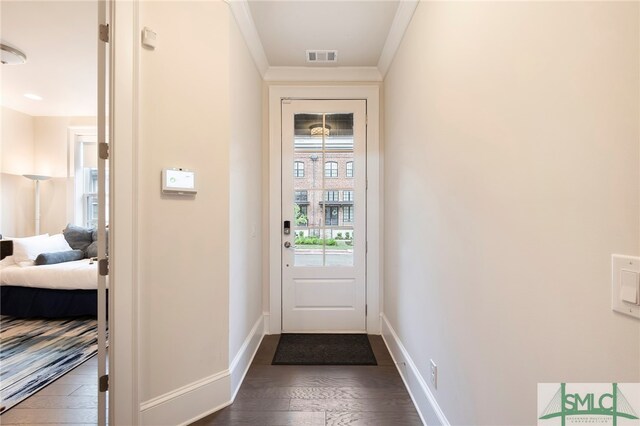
pixel 66 289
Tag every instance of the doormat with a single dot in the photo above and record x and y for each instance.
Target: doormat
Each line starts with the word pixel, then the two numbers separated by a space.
pixel 324 349
pixel 35 352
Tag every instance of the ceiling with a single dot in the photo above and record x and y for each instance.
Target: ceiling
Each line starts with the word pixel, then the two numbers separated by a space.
pixel 356 29
pixel 60 41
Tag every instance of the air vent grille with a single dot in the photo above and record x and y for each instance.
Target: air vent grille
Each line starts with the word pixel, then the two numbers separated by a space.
pixel 322 56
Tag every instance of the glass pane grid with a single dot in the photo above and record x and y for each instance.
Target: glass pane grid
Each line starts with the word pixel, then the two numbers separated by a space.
pixel 323 189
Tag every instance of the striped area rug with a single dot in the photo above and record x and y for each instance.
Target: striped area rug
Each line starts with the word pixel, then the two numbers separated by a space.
pixel 35 352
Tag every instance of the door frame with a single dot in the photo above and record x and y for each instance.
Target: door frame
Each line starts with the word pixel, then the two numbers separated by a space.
pixel 124 395
pixel 373 274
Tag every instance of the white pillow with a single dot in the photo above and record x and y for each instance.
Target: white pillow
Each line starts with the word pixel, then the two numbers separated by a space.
pixel 56 243
pixel 25 250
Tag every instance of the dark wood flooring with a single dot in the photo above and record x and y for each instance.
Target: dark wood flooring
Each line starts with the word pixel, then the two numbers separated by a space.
pixel 71 400
pixel 319 395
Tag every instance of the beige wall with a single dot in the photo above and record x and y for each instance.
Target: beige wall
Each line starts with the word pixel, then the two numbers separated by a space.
pixel 35 145
pixel 511 176
pixel 17 206
pixel 52 156
pixel 51 142
pixel 245 196
pixel 17 147
pixel 183 241
pixel 16 158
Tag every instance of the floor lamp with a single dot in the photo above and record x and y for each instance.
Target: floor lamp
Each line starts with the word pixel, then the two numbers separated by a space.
pixel 37 179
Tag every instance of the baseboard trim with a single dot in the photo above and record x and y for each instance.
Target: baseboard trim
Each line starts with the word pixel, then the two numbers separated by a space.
pixel 424 400
pixel 242 361
pixel 194 401
pixel 187 402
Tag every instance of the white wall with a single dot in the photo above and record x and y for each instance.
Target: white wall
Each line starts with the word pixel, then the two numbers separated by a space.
pixel 245 195
pixel 35 145
pixel 51 157
pixel 183 241
pixel 200 282
pixel 51 135
pixel 17 206
pixel 17 147
pixel 16 159
pixel 511 176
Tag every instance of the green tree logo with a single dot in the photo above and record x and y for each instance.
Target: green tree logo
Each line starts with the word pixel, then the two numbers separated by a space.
pixel 614 405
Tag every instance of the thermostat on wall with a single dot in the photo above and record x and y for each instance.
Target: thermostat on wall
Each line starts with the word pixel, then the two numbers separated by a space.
pixel 179 181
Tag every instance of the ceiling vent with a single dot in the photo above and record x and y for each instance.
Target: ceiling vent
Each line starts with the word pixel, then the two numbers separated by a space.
pixel 322 56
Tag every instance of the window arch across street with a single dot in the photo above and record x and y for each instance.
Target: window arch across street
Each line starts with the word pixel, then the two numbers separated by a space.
pixel 331 169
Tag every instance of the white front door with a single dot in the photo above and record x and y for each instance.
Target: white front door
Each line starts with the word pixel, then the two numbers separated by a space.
pixel 323 216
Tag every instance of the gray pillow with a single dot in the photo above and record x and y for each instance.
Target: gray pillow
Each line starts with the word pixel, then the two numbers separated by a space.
pixel 92 250
pixel 78 237
pixel 59 257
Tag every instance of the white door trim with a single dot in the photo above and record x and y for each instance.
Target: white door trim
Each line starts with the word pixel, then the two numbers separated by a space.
pixel 124 399
pixel 370 93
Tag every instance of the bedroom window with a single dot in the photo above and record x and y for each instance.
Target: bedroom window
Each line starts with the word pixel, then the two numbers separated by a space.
pixel 86 177
pixel 90 197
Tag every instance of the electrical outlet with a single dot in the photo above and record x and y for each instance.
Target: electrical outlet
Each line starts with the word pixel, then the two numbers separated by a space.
pixel 434 374
pixel 402 367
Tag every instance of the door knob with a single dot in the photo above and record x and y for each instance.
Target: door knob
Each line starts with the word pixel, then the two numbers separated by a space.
pixel 287 244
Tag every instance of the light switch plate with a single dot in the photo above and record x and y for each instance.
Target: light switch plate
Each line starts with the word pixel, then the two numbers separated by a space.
pixel 624 270
pixel 629 286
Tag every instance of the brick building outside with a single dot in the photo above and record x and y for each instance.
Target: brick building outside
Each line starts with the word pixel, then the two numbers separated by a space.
pixel 334 208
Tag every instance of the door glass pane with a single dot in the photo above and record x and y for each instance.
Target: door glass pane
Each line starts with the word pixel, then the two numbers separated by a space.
pixel 323 189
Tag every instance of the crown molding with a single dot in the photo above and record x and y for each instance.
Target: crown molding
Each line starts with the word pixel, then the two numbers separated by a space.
pixel 400 23
pixel 334 74
pixel 242 13
pixel 244 19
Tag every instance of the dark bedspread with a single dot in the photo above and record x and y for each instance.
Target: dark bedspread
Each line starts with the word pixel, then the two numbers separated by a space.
pixel 47 303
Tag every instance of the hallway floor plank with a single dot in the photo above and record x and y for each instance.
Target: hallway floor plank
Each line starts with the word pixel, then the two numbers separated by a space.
pixel 275 395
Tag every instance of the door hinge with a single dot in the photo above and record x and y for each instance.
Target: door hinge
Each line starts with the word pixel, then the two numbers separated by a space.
pixel 366 247
pixel 104 33
pixel 366 310
pixel 103 150
pixel 103 383
pixel 103 267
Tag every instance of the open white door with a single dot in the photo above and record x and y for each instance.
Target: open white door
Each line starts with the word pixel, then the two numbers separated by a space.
pixel 104 95
pixel 323 216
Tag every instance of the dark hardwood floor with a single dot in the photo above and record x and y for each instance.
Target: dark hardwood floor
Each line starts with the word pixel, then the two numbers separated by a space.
pixel 319 395
pixel 72 400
